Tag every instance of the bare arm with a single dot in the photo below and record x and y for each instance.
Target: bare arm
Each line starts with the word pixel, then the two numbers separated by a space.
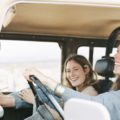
pixel 44 79
pixel 7 100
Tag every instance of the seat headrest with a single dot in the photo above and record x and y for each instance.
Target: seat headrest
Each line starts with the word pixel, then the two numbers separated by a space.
pixel 105 66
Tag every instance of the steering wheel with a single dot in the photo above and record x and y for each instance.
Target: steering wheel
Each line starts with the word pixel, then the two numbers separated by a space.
pixel 48 95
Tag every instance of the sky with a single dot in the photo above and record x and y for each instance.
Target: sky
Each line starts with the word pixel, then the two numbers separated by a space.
pixel 19 51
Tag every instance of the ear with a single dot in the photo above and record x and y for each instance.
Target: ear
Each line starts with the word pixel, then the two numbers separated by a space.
pixel 86 69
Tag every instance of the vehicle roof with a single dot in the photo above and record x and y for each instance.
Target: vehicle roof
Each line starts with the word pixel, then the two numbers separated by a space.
pixel 80 18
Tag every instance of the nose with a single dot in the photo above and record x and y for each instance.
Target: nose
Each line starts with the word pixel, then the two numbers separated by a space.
pixel 115 56
pixel 72 73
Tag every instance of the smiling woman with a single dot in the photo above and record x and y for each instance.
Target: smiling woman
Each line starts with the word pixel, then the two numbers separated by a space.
pixel 79 75
pixel 48 38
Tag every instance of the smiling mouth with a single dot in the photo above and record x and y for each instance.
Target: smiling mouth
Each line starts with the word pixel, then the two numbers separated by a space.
pixel 73 80
pixel 117 63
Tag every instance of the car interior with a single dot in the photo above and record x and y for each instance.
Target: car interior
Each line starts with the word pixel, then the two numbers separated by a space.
pixel 71 24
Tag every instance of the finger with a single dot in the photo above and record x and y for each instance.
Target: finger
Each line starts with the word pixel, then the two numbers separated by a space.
pixel 20 95
pixel 27 78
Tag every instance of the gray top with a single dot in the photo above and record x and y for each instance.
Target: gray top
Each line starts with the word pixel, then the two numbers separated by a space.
pixel 111 100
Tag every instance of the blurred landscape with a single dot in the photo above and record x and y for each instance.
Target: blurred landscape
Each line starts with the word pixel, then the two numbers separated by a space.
pixel 11 74
pixel 16 56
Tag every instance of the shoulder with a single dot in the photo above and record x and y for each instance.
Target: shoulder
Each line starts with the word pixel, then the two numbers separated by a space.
pixel 90 90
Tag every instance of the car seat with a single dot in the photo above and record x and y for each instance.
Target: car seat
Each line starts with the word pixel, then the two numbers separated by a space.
pixel 78 109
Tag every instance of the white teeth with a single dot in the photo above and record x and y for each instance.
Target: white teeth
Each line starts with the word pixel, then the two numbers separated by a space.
pixel 117 63
pixel 73 79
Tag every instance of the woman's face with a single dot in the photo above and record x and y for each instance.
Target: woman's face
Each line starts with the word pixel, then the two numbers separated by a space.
pixel 117 61
pixel 75 73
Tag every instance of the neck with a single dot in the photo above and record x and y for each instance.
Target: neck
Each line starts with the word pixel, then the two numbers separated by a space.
pixel 80 87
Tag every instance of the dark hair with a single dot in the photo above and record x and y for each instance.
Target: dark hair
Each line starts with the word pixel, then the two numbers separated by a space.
pixel 116 85
pixel 82 61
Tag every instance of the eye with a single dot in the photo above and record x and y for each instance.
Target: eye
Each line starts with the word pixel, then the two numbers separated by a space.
pixel 76 69
pixel 67 71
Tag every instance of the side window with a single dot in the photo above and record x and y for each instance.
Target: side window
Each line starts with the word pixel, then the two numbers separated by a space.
pixel 98 53
pixel 83 51
pixel 16 56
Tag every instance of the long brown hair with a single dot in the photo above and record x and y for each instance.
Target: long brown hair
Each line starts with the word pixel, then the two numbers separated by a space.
pixel 91 77
pixel 116 85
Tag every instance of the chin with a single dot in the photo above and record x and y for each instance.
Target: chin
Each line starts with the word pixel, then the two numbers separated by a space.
pixel 73 85
pixel 116 72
